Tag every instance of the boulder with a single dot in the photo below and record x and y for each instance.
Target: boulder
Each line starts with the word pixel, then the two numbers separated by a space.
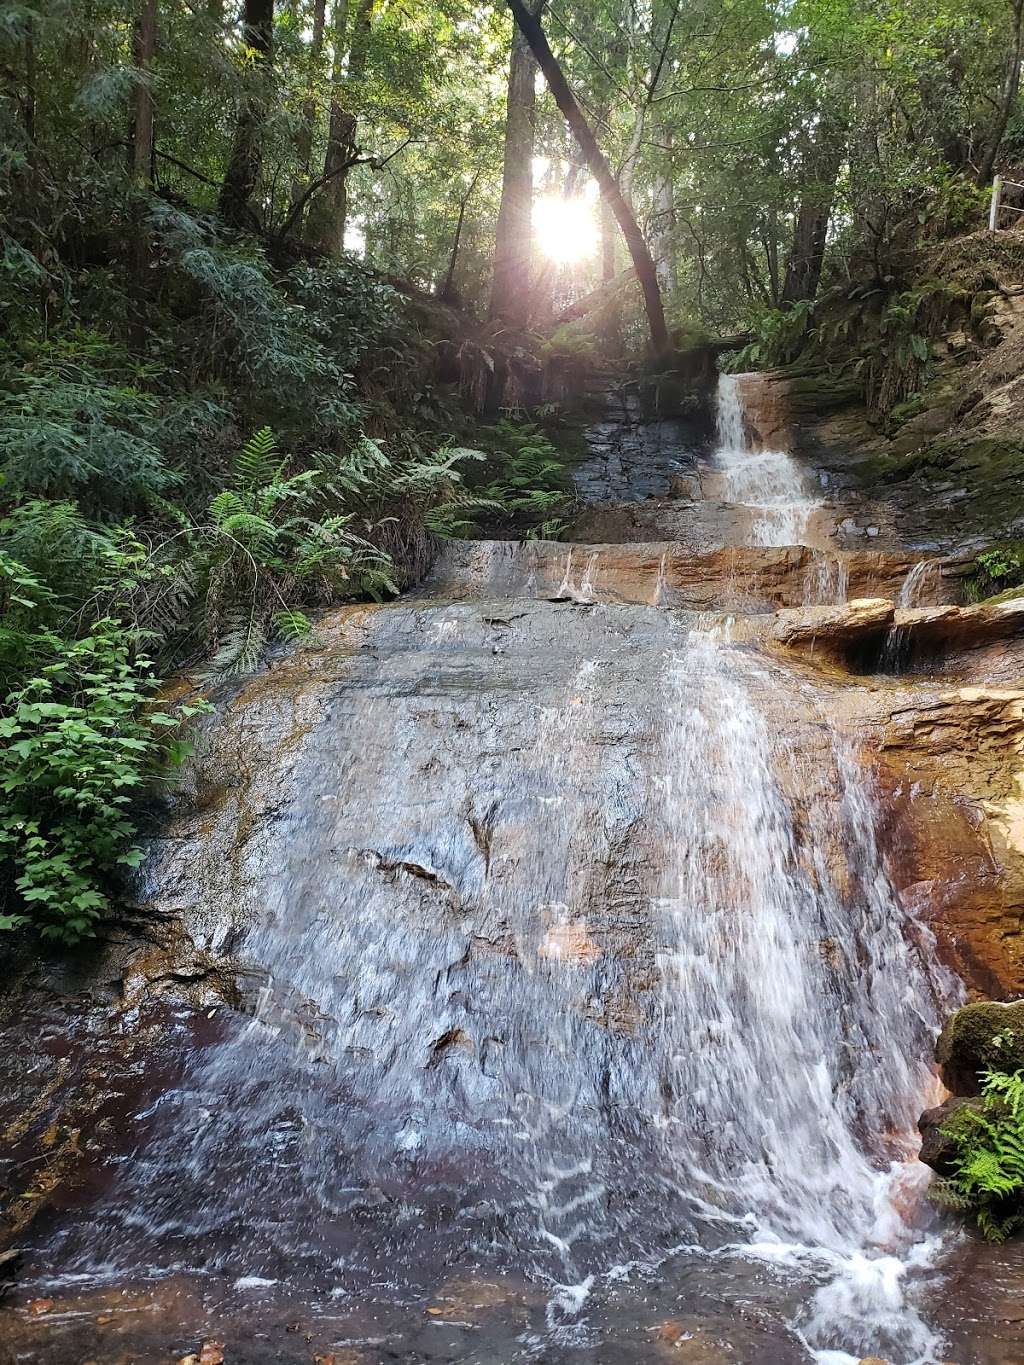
pixel 983 1036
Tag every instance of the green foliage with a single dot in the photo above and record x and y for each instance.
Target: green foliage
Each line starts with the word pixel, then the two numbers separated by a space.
pixel 67 429
pixel 988 1174
pixel 268 545
pixel 779 336
pixel 998 568
pixel 531 485
pixel 79 740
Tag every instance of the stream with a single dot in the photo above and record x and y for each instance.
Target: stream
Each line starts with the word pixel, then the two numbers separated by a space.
pixel 580 1020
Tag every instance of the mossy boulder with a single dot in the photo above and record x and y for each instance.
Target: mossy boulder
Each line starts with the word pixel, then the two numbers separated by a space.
pixel 980 1037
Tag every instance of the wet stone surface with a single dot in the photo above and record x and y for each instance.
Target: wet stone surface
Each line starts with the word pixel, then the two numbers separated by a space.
pixel 542 968
pixel 631 458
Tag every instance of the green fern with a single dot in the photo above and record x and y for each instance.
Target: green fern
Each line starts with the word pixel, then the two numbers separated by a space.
pixel 274 545
pixel 988 1169
pixel 241 646
pixel 258 463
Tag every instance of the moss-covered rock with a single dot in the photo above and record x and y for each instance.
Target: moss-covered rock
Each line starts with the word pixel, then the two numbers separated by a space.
pixel 980 1037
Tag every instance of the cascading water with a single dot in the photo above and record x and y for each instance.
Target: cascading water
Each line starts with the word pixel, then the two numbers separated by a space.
pixel 571 968
pixel 793 971
pixel 768 482
pixel 922 577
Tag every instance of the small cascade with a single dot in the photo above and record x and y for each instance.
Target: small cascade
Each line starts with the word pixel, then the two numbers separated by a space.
pixel 925 575
pixel 585 593
pixel 827 581
pixel 660 583
pixel 769 483
pixel 919 582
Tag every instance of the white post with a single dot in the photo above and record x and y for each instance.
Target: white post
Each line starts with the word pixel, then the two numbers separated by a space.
pixel 993 213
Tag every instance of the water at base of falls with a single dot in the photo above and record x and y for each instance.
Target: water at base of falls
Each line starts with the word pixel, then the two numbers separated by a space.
pixel 648 999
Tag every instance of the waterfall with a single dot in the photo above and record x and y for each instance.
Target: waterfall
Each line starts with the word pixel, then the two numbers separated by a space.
pixel 791 971
pixel 570 965
pixel 896 653
pixel 921 577
pixel 769 483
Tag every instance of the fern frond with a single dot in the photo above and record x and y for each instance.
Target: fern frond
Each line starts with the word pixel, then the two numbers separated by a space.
pixel 258 462
pixel 290 624
pixel 226 504
pixel 240 647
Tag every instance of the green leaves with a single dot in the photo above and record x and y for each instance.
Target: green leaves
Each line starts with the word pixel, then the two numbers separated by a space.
pixel 79 743
pixel 988 1175
pixel 272 546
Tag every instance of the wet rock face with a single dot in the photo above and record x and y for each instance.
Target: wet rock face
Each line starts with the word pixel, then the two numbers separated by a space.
pixel 984 1036
pixel 632 457
pixel 737 578
pixel 949 763
pixel 479 919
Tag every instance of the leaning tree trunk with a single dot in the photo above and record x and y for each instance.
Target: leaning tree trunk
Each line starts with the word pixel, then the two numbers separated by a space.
pixel 245 162
pixel 1011 89
pixel 329 211
pixel 511 287
pixel 639 251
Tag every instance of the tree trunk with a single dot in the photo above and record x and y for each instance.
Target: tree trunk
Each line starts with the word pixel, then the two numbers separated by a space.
pixel 807 254
pixel 245 162
pixel 1010 91
pixel 304 137
pixel 447 291
pixel 144 45
pixel 329 211
pixel 142 137
pixel 511 288
pixel 639 251
pixel 663 224
pixel 608 239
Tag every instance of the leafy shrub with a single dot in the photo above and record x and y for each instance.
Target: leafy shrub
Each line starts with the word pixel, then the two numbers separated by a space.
pixel 988 1174
pixel 779 335
pixel 998 568
pixel 65 432
pixel 79 741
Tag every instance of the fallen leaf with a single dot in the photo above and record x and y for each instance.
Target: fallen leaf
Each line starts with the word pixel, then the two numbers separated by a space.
pixel 38 1306
pixel 435 1312
pixel 104 1318
pixel 212 1353
pixel 189 1360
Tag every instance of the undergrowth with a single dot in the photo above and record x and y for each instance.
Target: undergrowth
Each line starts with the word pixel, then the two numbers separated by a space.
pixel 987 1181
pixel 997 571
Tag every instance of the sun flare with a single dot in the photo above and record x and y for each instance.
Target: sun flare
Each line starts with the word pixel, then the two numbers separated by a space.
pixel 566 229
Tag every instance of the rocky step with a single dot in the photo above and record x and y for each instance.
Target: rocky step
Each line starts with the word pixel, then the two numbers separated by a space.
pixel 740 579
